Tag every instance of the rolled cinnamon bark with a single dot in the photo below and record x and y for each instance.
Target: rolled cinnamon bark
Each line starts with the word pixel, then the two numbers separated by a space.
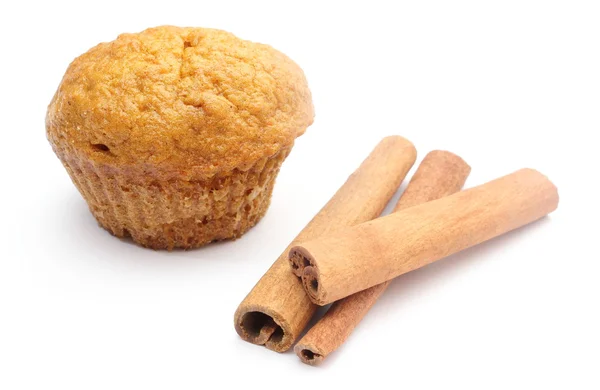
pixel 277 309
pixel 440 174
pixel 376 251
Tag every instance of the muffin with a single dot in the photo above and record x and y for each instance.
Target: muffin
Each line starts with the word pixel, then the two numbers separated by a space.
pixel 174 136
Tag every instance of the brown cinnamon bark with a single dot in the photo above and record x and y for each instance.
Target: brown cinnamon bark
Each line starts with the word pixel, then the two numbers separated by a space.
pixel 440 174
pixel 277 309
pixel 374 252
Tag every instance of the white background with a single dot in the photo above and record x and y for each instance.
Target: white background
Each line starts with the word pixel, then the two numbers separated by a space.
pixel 505 84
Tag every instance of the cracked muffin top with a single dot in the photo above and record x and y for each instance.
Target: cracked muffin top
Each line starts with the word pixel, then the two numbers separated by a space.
pixel 180 99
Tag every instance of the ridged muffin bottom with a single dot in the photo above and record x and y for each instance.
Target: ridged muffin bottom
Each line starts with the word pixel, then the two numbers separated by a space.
pixel 175 213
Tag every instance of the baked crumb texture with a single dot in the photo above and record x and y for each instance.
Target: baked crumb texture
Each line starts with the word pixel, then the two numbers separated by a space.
pixel 174 136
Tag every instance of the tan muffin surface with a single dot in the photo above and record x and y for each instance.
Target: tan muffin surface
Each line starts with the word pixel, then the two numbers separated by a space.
pixel 189 101
pixel 174 136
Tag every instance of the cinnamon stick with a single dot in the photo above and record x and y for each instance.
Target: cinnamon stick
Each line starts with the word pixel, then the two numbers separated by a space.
pixel 277 309
pixel 440 174
pixel 376 251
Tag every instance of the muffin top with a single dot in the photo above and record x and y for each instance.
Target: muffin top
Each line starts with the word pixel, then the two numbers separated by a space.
pixel 181 99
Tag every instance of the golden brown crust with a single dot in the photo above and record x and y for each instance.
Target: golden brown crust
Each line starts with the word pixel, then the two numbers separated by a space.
pixel 185 102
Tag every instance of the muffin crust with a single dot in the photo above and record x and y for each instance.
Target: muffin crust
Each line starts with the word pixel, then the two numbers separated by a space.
pixel 183 102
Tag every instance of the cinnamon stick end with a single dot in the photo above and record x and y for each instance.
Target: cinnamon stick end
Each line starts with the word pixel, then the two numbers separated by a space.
pixel 552 190
pixel 310 281
pixel 309 354
pixel 298 261
pixel 259 327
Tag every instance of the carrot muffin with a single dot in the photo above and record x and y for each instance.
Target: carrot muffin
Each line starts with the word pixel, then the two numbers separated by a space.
pixel 174 136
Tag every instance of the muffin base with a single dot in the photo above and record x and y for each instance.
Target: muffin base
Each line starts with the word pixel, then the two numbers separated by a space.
pixel 175 213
